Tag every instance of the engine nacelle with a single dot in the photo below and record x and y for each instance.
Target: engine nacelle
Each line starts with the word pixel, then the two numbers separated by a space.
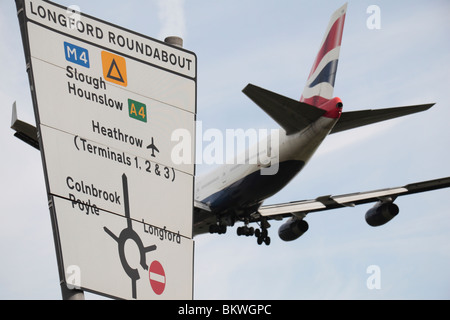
pixel 292 229
pixel 381 213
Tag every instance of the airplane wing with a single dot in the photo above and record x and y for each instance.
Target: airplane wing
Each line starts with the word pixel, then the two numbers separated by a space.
pixel 300 209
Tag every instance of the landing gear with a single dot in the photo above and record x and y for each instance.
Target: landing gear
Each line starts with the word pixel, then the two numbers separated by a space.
pixel 245 231
pixel 260 234
pixel 218 228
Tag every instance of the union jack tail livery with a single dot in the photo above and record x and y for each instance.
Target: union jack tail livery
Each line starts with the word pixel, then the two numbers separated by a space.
pixel 320 84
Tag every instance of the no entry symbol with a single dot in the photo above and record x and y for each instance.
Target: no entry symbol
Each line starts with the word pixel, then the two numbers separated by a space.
pixel 157 277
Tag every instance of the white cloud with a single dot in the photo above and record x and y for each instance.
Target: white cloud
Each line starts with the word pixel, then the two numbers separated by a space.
pixel 171 15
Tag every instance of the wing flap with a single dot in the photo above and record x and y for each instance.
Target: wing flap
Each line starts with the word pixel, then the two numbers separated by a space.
pixel 293 116
pixel 355 119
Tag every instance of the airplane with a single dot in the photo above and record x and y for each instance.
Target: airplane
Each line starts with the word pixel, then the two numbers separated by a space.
pixel 153 148
pixel 236 193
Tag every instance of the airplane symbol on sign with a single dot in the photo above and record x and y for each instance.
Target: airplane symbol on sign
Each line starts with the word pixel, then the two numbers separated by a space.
pixel 153 147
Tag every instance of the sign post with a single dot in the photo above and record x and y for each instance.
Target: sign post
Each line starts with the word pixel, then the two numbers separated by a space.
pixel 106 102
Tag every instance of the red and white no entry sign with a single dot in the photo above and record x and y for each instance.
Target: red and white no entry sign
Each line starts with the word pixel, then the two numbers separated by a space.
pixel 157 277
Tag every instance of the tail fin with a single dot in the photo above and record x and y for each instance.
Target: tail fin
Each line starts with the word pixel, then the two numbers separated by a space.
pixel 320 84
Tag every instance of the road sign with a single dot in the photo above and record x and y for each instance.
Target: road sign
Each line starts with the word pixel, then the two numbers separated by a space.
pixel 66 92
pixel 85 173
pixel 157 277
pixel 114 248
pixel 107 102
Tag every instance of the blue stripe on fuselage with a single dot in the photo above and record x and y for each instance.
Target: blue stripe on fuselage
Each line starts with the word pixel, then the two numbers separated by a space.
pixel 254 188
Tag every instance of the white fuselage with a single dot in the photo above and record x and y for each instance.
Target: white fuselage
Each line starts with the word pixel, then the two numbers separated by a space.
pixel 240 188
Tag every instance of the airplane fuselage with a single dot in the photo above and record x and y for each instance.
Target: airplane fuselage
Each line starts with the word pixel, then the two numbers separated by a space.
pixel 235 191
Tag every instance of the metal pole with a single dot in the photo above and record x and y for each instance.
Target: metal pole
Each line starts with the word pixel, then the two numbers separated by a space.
pixel 71 294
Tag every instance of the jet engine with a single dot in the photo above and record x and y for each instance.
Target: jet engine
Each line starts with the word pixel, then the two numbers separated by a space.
pixel 381 213
pixel 292 229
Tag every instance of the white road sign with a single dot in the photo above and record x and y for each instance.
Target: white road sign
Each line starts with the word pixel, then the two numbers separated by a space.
pixel 103 34
pixel 88 174
pixel 112 255
pixel 72 82
pixel 65 104
pixel 107 102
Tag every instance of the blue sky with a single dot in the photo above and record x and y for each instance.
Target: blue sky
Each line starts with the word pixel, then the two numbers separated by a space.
pixel 272 44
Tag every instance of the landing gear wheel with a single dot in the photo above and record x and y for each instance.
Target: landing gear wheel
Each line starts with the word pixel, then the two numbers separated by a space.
pixel 245 231
pixel 262 236
pixel 259 240
pixel 217 228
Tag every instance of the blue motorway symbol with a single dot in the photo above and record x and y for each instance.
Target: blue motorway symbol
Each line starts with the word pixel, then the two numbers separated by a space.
pixel 76 54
